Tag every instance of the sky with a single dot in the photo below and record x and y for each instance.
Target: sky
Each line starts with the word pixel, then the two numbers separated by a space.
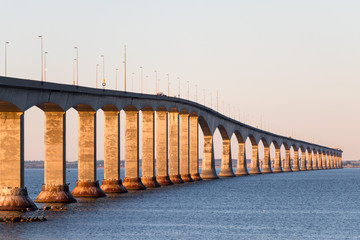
pixel 289 67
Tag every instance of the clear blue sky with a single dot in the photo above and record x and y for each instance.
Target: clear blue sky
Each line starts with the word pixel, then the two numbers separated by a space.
pixel 293 64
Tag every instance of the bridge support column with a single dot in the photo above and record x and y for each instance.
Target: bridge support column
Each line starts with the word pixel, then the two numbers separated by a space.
pixel 319 161
pixel 112 182
pixel 323 156
pixel 208 161
pixel 55 189
pixel 309 161
pixel 241 166
pixel 162 176
pixel 174 148
pixel 277 161
pixel 194 152
pixel 295 167
pixel 315 161
pixel 303 161
pixel 254 168
pixel 148 158
pixel 287 161
pixel 131 179
pixel 87 185
pixel 266 168
pixel 332 162
pixel 13 194
pixel 226 161
pixel 184 147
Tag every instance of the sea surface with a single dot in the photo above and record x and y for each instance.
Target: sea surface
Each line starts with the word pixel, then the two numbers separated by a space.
pixel 297 205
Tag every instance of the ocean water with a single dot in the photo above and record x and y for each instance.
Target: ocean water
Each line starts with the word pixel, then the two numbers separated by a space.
pixel 298 205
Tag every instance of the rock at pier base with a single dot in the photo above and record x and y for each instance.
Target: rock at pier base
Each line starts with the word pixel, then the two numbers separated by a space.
pixel 133 184
pixel 15 199
pixel 88 189
pixel 55 194
pixel 112 186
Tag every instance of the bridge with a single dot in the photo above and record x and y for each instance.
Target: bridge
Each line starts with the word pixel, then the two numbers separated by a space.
pixel 169 143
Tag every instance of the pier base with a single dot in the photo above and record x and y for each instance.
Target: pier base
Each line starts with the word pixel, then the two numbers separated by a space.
pixel 55 194
pixel 277 170
pixel 208 174
pixel 164 180
pixel 226 172
pixel 186 178
pixel 150 182
pixel 196 177
pixel 287 170
pixel 176 179
pixel 15 199
pixel 112 186
pixel 254 170
pixel 241 171
pixel 266 169
pixel 133 184
pixel 89 189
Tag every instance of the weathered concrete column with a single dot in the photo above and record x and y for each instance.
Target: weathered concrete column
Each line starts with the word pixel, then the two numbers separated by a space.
pixel 13 194
pixel 295 167
pixel 148 156
pixel 340 159
pixel 309 162
pixel 328 165
pixel 131 179
pixel 277 161
pixel 332 162
pixel 87 185
pixel 287 161
pixel 324 161
pixel 184 147
pixel 208 161
pixel 112 182
pixel 162 176
pixel 194 151
pixel 303 161
pixel 55 189
pixel 314 162
pixel 226 161
pixel 254 167
pixel 319 161
pixel 174 171
pixel 241 166
pixel 266 168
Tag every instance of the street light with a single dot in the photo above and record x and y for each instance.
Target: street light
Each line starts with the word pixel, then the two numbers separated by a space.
pixel 156 87
pixel 141 69
pixel 77 66
pixel 124 68
pixel 116 71
pixel 74 62
pixel 188 92
pixel 179 87
pixel 41 54
pixel 45 69
pixel 103 62
pixel 168 84
pixel 97 66
pixel 6 43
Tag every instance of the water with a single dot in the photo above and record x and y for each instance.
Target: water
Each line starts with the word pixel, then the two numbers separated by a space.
pixel 299 205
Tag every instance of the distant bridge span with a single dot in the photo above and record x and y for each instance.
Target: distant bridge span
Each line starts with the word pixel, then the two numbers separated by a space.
pixel 173 121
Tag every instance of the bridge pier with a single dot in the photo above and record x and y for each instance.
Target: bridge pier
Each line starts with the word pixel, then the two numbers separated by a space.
pixel 174 172
pixel 309 161
pixel 241 166
pixel 319 161
pixel 13 194
pixel 324 161
pixel 87 185
pixel 254 167
pixel 193 148
pixel 277 161
pixel 287 161
pixel 162 176
pixel 314 161
pixel 112 182
pixel 132 180
pixel 226 161
pixel 208 161
pixel 266 168
pixel 328 161
pixel 55 189
pixel 148 158
pixel 295 167
pixel 303 161
pixel 184 147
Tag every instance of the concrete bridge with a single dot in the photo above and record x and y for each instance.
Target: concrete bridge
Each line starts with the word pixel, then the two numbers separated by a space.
pixel 173 121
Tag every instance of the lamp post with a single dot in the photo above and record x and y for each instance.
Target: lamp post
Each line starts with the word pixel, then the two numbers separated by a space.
pixel 179 87
pixel 97 71
pixel 74 62
pixel 168 84
pixel 77 66
pixel 217 100
pixel 124 68
pixel 156 87
pixel 116 71
pixel 6 43
pixel 188 92
pixel 41 54
pixel 45 69
pixel 103 62
pixel 141 70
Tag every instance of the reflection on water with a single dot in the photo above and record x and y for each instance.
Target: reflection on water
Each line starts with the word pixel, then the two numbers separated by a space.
pixel 301 205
